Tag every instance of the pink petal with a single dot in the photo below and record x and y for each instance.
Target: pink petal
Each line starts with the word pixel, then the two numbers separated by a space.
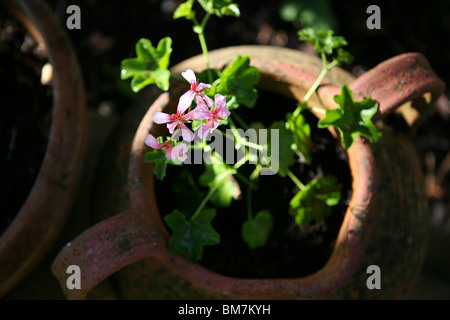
pixel 220 101
pixel 189 75
pixel 185 102
pixel 152 143
pixel 168 153
pixel 202 86
pixel 222 112
pixel 161 117
pixel 215 124
pixel 202 113
pixel 204 130
pixel 172 126
pixel 179 152
pixel 207 99
pixel 188 135
pixel 190 115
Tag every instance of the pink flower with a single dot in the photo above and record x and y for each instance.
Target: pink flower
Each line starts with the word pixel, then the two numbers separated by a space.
pixel 176 121
pixel 195 91
pixel 219 112
pixel 177 153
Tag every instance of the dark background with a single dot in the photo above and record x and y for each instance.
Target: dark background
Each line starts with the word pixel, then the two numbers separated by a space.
pixel 110 29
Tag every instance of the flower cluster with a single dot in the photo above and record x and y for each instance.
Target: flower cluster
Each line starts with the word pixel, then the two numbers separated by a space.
pixel 207 110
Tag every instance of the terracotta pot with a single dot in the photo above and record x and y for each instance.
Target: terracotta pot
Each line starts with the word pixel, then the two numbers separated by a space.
pixel 42 215
pixel 386 222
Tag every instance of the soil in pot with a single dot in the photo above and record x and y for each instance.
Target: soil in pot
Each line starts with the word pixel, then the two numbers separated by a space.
pixel 25 115
pixel 291 251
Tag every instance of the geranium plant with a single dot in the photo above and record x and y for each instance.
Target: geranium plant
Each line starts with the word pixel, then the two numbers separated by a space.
pixel 210 108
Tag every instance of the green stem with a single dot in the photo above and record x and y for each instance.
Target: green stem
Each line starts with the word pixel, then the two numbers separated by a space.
pixel 211 191
pixel 201 37
pixel 239 119
pixel 296 180
pixel 238 164
pixel 242 140
pixel 326 68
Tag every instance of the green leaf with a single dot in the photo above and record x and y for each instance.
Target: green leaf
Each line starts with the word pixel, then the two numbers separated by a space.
pixel 150 65
pixel 318 14
pixel 284 145
pixel 191 236
pixel 238 80
pixel 184 10
pixel 352 118
pixel 160 160
pixel 314 202
pixel 344 56
pixel 323 40
pixel 301 132
pixel 209 76
pixel 227 188
pixel 256 231
pixel 220 7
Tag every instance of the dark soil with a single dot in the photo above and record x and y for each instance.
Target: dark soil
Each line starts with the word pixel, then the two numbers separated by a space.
pixel 291 250
pixel 25 116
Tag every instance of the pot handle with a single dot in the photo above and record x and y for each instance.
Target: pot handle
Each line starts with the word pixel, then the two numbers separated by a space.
pixel 104 249
pixel 403 78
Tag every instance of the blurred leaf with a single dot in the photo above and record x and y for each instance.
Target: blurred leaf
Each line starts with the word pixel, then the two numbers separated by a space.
pixel 284 145
pixel 220 7
pixel 317 14
pixel 227 187
pixel 323 40
pixel 301 132
pixel 256 231
pixel 314 202
pixel 184 10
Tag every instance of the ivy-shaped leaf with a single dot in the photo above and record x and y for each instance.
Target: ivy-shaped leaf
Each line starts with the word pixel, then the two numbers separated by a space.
pixel 256 231
pixel 283 145
pixel 160 160
pixel 323 40
pixel 352 118
pixel 191 236
pixel 314 202
pixel 220 7
pixel 301 132
pixel 184 10
pixel 238 81
pixel 150 65
pixel 216 176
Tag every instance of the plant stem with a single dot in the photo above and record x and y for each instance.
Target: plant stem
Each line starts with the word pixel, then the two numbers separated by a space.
pixel 239 119
pixel 201 37
pixel 297 182
pixel 242 140
pixel 326 68
pixel 211 191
